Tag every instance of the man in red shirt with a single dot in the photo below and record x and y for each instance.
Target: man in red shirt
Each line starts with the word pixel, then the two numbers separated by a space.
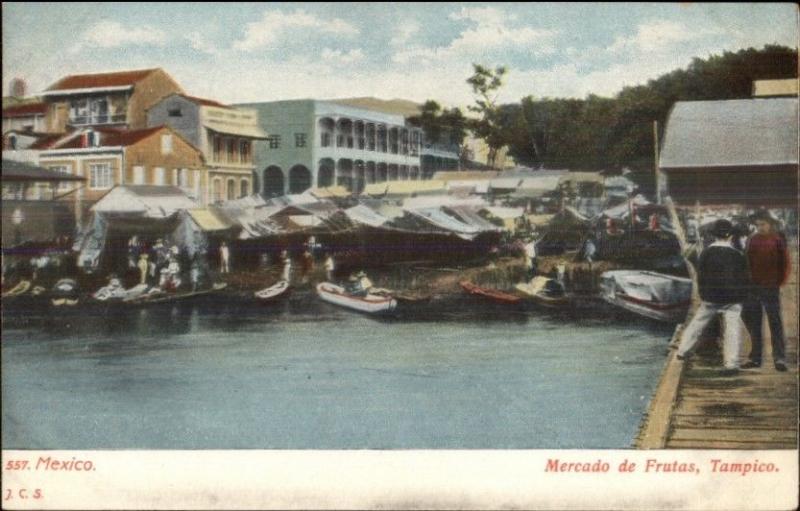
pixel 768 258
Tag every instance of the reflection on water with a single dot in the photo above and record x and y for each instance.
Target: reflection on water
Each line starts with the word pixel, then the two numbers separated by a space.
pixel 303 374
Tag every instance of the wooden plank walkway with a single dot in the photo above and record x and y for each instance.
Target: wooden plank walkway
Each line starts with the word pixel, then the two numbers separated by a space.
pixel 696 407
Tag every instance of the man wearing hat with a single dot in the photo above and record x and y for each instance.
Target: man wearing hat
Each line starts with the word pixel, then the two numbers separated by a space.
pixel 723 284
pixel 768 257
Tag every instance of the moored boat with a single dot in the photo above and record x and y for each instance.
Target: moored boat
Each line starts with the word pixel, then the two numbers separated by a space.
pixel 165 297
pixel 273 292
pixel 490 294
pixel 653 295
pixel 370 303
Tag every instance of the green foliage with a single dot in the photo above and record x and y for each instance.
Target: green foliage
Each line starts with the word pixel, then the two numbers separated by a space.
pixel 612 133
pixel 490 124
pixel 447 126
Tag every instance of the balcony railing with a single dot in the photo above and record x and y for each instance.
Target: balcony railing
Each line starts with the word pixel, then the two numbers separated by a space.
pixel 79 120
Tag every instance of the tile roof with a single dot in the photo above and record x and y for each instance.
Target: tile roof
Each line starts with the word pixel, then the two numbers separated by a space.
pixel 47 141
pixel 731 133
pixel 109 138
pixel 25 110
pixel 89 81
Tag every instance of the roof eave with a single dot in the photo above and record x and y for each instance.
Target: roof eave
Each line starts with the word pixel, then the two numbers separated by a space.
pixel 87 90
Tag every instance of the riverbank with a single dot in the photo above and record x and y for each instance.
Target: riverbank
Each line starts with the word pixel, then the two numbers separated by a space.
pixel 434 280
pixel 695 407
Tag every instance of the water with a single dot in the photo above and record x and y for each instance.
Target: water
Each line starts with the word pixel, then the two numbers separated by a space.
pixel 306 375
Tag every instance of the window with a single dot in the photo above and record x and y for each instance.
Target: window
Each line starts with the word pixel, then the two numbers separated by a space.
pixel 217 190
pixel 100 176
pixel 231 189
pixel 174 112
pixel 230 146
pixel 325 139
pixel 96 111
pixel 299 139
pixel 160 177
pixel 64 169
pixel 79 111
pixel 217 147
pixel 183 178
pixel 274 141
pixel 244 151
pixel 244 188
pixel 196 183
pixel 166 144
pixel 138 175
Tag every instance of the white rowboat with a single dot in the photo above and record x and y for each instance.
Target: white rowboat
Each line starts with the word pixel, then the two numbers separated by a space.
pixel 372 304
pixel 274 291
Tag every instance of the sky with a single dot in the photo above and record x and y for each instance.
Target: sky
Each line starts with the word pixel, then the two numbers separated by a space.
pixel 247 52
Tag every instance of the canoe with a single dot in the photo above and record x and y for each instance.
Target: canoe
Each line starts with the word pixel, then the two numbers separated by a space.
pixel 542 291
pixel 653 295
pixel 174 297
pixel 491 294
pixel 400 296
pixel 370 303
pixel 273 292
pixel 19 289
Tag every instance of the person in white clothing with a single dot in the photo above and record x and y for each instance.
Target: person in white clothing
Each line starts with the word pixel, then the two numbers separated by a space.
pixel 330 266
pixel 224 256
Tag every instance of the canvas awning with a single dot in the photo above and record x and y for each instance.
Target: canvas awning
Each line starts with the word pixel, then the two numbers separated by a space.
pixel 207 220
pixel 329 192
pixel 414 187
pixel 235 129
pixel 375 189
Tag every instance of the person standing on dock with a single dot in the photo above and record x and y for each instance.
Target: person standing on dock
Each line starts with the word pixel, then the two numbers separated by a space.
pixel 723 284
pixel 287 266
pixel 224 258
pixel 330 266
pixel 530 257
pixel 769 269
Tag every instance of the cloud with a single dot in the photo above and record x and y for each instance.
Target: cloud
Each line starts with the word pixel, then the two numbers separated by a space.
pixel 274 25
pixel 491 31
pixel 404 32
pixel 660 36
pixel 200 43
pixel 113 34
pixel 342 57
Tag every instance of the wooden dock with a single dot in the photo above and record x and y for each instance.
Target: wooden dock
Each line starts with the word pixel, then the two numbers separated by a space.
pixel 696 407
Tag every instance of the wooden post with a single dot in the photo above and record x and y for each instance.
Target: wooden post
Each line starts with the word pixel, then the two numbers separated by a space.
pixel 655 162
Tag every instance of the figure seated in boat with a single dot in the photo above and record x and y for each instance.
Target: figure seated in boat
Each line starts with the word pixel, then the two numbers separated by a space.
pixel 360 284
pixel 171 276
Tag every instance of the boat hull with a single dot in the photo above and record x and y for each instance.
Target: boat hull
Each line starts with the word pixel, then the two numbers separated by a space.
pixel 490 294
pixel 370 304
pixel 274 292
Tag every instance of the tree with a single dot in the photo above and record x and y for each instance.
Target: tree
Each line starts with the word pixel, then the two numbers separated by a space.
pixel 485 83
pixel 429 119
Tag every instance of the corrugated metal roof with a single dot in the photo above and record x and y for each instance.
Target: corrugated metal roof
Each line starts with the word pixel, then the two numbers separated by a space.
pixel 737 132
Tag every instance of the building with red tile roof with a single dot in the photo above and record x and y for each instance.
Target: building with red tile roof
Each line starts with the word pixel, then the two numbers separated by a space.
pixel 118 99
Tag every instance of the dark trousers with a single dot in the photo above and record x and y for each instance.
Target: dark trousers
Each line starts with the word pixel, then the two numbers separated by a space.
pixel 768 299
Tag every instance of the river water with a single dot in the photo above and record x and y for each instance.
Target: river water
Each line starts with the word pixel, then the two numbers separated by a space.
pixel 227 374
